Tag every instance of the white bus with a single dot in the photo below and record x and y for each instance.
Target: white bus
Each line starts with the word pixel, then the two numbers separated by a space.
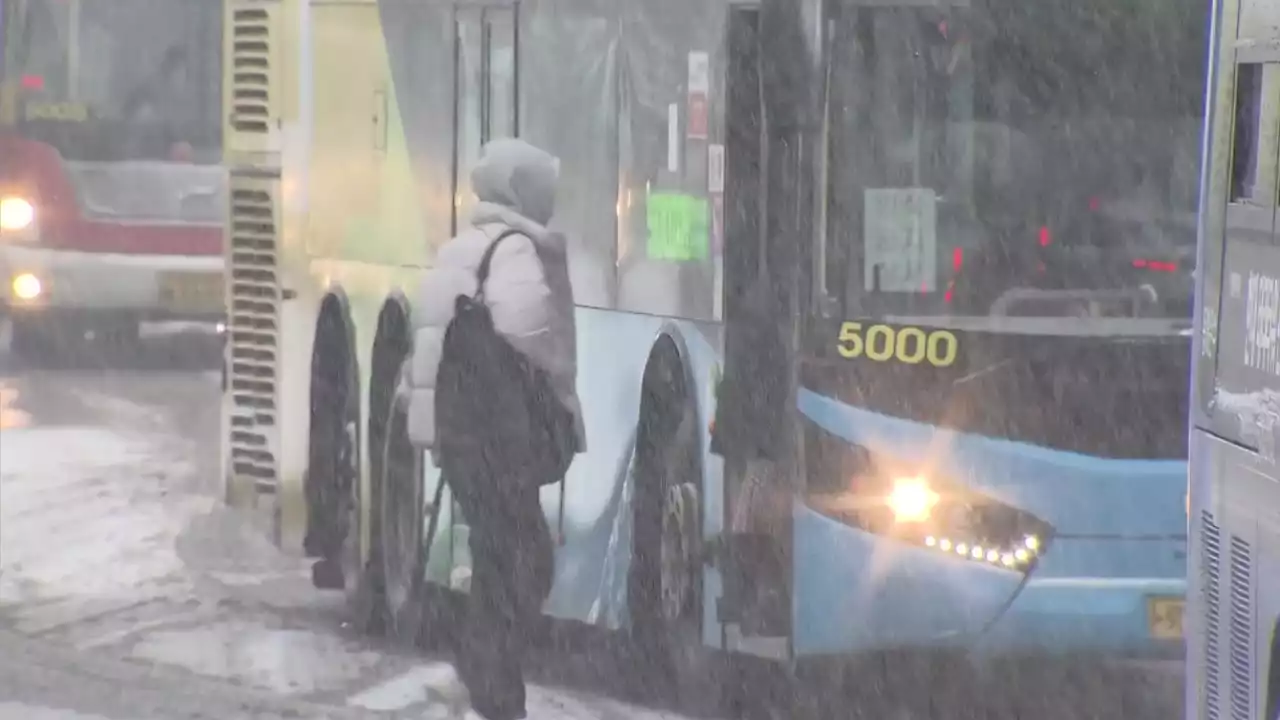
pixel 1233 619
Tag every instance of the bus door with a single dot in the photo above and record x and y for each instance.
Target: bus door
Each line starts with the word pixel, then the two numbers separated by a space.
pixel 484 91
pixel 757 397
pixel 485 102
pixel 897 206
pixel 348 137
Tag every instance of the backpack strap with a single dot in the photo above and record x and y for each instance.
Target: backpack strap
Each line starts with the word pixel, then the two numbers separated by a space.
pixel 482 274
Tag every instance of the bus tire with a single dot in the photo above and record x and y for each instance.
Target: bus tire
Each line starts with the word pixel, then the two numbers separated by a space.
pixel 404 552
pixel 664 582
pixel 335 506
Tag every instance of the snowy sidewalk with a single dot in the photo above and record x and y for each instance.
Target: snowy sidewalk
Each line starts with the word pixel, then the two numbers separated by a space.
pixel 113 550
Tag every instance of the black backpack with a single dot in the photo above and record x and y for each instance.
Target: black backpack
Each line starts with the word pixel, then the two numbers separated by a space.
pixel 493 406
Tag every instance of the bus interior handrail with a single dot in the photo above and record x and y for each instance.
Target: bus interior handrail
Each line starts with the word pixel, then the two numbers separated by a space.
pixel 1013 296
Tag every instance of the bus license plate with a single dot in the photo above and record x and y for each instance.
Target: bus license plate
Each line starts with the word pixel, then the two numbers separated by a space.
pixel 191 292
pixel 1164 617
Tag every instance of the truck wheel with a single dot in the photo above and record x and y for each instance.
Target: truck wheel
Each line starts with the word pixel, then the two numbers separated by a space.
pixel 26 341
pixel 123 334
pixel 38 341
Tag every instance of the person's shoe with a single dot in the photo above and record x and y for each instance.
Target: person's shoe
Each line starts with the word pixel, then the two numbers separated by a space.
pixel 495 714
pixel 327 574
pixel 471 714
pixel 450 690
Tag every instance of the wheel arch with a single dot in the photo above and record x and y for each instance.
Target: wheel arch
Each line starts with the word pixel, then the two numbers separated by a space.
pixel 691 365
pixel 335 303
pixel 670 335
pixel 670 346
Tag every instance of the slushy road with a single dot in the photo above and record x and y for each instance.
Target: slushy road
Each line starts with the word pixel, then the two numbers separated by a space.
pixel 128 591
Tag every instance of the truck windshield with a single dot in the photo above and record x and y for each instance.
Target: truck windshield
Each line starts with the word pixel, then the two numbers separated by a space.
pixel 105 80
pixel 1013 159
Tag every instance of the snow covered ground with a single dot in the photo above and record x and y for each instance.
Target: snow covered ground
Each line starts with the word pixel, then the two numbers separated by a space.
pixel 114 549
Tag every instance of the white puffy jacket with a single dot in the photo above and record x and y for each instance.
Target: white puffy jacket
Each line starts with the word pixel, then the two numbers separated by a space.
pixel 528 292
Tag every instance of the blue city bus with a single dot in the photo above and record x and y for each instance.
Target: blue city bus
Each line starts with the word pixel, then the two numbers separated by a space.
pixel 972 384
pixel 883 310
pixel 1233 648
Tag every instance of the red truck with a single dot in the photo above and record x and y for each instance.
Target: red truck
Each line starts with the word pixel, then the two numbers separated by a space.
pixel 112 195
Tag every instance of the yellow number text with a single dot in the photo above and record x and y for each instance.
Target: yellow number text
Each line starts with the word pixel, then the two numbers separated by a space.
pixel 909 345
pixel 64 112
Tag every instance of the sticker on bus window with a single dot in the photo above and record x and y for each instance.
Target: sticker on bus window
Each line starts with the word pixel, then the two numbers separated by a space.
pixel 904 345
pixel 1262 323
pixel 63 112
pixel 900 240
pixel 677 226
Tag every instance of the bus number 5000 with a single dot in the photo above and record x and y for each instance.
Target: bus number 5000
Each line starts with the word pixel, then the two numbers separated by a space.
pixel 909 345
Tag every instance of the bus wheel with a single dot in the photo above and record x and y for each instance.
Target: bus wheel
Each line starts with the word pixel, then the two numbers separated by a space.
pixel 679 528
pixel 362 576
pixel 333 480
pixel 664 584
pixel 404 552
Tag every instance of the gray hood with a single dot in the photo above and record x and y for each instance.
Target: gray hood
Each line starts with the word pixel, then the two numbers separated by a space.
pixel 519 177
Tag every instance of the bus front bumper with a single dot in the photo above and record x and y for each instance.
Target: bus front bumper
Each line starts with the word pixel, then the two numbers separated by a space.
pixel 855 592
pixel 1116 618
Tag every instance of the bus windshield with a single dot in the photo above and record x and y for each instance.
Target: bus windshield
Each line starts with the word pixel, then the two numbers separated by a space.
pixel 104 80
pixel 1013 159
pixel 1007 180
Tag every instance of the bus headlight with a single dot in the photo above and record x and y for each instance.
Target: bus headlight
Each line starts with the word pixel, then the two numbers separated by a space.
pixel 16 213
pixel 1015 556
pixel 912 500
pixel 908 503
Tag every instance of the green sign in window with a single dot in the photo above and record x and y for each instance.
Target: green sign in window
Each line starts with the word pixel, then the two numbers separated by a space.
pixel 677 227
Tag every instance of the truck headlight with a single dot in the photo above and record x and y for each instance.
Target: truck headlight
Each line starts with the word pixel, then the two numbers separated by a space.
pixel 912 500
pixel 26 286
pixel 16 213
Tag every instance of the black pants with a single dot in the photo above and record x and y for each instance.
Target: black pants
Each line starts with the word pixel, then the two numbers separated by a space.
pixel 511 571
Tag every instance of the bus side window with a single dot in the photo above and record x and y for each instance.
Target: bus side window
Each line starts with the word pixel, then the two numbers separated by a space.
pixel 1240 333
pixel 1248 124
pixel 500 48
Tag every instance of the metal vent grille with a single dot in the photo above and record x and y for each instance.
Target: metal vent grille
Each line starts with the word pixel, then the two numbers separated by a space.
pixel 251 69
pixel 1211 575
pixel 1241 630
pixel 253 331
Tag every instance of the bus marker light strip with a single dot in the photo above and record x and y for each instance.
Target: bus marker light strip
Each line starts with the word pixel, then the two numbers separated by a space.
pixel 1008 557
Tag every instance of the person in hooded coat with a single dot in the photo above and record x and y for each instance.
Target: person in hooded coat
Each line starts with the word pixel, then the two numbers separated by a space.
pixel 531 302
